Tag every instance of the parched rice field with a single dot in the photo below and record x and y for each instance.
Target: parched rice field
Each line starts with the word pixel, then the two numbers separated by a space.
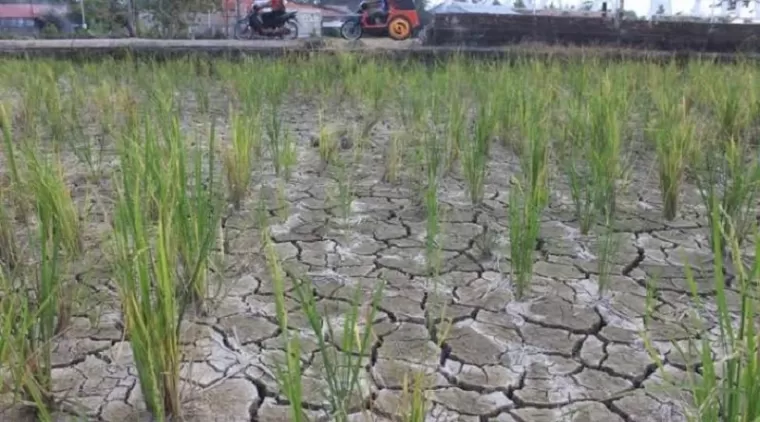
pixel 346 239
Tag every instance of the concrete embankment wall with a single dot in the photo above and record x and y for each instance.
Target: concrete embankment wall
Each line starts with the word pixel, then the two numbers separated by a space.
pixel 144 49
pixel 494 30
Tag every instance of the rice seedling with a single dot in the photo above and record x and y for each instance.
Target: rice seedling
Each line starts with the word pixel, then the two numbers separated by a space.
pixel 474 154
pixel 724 387
pixel 158 276
pixel 528 195
pixel 672 132
pixel 413 389
pixel 19 320
pixel 342 361
pixel 239 158
pixel 36 318
pixel 202 96
pixel 46 183
pixel 9 251
pixel 372 86
pixel 281 143
pixel 288 377
pixel 19 199
pixel 281 198
pixel 591 155
pixel 524 214
pixel 455 128
pixel 281 146
pixel 728 97
pixel 345 190
pixel 434 162
pixel 393 158
pixel 728 177
pixel 328 140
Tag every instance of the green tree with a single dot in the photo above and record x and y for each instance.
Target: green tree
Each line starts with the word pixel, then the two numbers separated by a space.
pixel 519 4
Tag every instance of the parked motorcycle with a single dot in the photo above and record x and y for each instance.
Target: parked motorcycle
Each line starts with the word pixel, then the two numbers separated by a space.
pixel 284 27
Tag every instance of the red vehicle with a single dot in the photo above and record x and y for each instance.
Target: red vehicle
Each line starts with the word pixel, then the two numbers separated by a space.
pixel 400 21
pixel 29 17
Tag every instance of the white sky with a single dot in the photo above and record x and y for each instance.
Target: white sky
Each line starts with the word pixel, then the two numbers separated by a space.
pixel 641 7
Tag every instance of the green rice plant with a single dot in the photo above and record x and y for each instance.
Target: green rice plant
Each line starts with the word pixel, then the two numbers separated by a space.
pixel 197 233
pixel 54 112
pixel 607 246
pixel 345 190
pixel 535 146
pixel 393 158
pixel 455 127
pixel 728 95
pixel 202 95
pixel 607 109
pixel 506 84
pixel 48 292
pixel 524 224
pixel 410 103
pixel 372 86
pixel 434 163
pixel 416 406
pixel 104 99
pixel 152 318
pixel 19 322
pixel 577 171
pixel 672 131
pixel 528 195
pixel 158 269
pixel 328 144
pixel 20 198
pixel 32 103
pixel 281 143
pixel 281 146
pixel 239 158
pixel 9 251
pixel 433 229
pixel 475 154
pixel 289 377
pixel 35 319
pixel 46 184
pixel 283 206
pixel 727 174
pixel 343 363
pixel 725 388
pixel 591 149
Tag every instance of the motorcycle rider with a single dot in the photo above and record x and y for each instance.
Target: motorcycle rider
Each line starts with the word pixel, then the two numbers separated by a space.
pixel 267 19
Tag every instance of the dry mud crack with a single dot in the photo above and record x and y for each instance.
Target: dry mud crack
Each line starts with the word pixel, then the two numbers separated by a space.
pixel 561 353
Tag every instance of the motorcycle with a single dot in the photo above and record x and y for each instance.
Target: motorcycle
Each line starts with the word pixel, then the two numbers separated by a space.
pixel 283 27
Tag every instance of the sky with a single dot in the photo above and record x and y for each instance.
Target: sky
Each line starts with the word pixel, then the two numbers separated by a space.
pixel 641 7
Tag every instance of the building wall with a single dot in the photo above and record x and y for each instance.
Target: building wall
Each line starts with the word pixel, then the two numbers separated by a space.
pixel 493 30
pixel 309 24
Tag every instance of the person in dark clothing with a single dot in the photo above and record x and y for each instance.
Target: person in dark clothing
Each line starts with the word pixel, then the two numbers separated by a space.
pixel 269 19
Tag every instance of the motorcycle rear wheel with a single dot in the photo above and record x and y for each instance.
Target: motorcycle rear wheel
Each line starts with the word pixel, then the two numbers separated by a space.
pixel 351 30
pixel 291 30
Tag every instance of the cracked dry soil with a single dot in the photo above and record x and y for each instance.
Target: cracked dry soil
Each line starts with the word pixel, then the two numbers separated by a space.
pixel 560 354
